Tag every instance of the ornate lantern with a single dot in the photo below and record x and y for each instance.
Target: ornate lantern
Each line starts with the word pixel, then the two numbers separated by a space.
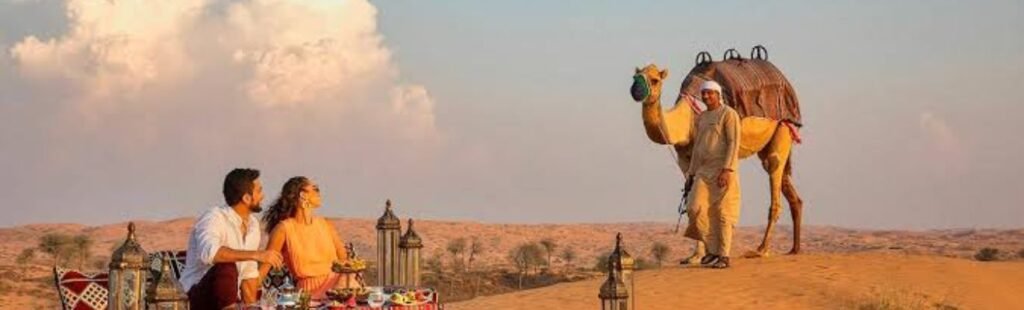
pixel 127 274
pixel 614 295
pixel 165 293
pixel 410 257
pixel 623 264
pixel 388 230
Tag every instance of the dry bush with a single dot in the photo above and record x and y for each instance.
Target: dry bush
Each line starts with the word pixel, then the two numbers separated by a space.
pixel 892 299
pixel 987 255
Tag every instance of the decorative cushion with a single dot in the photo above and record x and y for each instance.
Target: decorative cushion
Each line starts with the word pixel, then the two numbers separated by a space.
pixel 156 259
pixel 79 290
pixel 278 279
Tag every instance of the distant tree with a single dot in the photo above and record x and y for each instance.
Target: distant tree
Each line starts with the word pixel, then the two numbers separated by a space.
pixel 569 255
pixel 433 264
pixel 26 256
pixel 457 247
pixel 476 247
pixel 659 251
pixel 549 248
pixel 602 262
pixel 987 255
pixel 526 257
pixel 82 247
pixel 57 245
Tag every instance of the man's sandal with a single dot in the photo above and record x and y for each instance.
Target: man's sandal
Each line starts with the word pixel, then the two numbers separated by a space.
pixel 709 259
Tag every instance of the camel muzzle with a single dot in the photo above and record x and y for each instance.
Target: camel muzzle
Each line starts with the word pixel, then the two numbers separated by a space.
pixel 639 90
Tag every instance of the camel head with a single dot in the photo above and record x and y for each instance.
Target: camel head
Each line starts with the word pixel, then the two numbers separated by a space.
pixel 647 83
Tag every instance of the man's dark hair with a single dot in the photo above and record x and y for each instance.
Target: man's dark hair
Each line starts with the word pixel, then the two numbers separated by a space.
pixel 239 182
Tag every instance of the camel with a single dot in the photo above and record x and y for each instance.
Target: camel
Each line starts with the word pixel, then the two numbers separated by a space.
pixel 771 140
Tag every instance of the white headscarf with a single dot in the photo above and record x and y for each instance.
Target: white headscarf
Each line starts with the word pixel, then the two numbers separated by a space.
pixel 712 85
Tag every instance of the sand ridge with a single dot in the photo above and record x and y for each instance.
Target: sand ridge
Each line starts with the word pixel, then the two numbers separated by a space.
pixel 815 281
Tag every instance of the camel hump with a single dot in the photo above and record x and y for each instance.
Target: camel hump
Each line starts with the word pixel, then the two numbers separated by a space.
pixel 754 87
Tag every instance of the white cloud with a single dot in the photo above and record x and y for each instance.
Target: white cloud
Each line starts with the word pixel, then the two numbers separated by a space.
pixel 113 48
pixel 325 56
pixel 303 51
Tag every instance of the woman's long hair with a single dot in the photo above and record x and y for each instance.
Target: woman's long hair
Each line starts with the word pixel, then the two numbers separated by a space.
pixel 286 204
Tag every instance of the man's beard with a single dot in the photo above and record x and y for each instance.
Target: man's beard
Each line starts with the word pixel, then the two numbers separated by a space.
pixel 256 208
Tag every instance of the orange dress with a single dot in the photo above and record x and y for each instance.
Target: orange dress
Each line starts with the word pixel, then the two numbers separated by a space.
pixel 309 252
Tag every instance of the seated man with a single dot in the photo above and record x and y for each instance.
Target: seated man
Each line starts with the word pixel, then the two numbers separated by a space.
pixel 223 247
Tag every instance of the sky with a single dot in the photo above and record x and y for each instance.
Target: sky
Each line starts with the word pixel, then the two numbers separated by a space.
pixel 501 112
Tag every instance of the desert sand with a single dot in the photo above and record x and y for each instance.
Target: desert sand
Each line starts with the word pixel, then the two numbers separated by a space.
pixel 816 281
pixel 841 266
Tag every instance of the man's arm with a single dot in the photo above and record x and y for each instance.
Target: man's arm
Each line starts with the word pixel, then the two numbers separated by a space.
pixel 229 255
pixel 732 137
pixel 249 289
pixel 275 245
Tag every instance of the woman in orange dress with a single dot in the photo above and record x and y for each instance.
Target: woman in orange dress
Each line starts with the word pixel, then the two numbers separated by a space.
pixel 309 244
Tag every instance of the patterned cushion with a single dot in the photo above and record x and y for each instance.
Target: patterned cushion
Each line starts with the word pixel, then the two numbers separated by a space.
pixel 79 290
pixel 156 259
pixel 278 279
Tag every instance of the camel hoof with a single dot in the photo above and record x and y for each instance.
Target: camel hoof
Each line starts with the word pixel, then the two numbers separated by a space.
pixel 756 254
pixel 793 252
pixel 690 261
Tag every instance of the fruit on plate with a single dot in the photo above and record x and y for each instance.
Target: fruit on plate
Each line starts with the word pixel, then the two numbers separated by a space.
pixel 349 266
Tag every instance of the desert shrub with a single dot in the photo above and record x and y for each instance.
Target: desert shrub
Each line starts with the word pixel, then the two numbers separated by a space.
pixel 26 256
pixel 640 263
pixel 602 263
pixel 893 300
pixel 987 255
pixel 568 256
pixel 526 257
pixel 659 251
pixel 59 246
pixel 549 248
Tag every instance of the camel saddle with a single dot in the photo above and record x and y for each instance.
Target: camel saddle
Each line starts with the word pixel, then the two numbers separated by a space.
pixel 753 87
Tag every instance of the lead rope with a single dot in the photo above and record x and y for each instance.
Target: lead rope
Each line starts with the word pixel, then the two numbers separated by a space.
pixel 681 208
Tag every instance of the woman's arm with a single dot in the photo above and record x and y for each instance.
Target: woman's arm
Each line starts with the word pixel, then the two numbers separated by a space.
pixel 275 244
pixel 339 247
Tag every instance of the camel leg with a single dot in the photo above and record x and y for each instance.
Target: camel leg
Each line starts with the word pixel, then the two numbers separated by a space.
pixel 773 159
pixel 796 205
pixel 698 253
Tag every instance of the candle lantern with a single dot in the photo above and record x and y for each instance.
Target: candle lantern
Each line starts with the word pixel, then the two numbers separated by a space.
pixel 388 230
pixel 165 293
pixel 127 274
pixel 410 246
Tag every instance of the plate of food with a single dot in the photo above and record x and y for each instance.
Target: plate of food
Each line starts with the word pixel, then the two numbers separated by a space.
pixel 354 265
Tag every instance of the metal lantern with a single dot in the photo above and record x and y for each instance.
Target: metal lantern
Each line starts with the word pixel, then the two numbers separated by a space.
pixel 614 295
pixel 409 264
pixel 127 275
pixel 165 293
pixel 623 265
pixel 388 230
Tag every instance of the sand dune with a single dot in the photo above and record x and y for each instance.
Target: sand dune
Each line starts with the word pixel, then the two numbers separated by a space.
pixel 842 263
pixel 818 281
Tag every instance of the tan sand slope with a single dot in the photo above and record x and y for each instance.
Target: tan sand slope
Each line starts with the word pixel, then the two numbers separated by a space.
pixel 819 281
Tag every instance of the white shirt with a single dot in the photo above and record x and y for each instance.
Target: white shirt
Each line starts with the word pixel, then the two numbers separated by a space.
pixel 219 227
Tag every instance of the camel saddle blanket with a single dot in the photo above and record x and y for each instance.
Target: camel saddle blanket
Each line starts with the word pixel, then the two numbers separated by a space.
pixel 753 87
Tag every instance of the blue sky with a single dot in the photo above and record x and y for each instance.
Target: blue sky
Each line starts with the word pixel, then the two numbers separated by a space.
pixel 524 115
